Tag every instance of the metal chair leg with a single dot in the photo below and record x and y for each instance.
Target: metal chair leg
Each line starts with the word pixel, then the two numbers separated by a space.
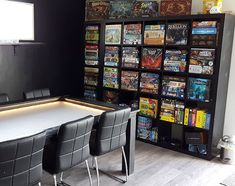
pixel 39 184
pixel 61 177
pixel 89 173
pixel 97 171
pixel 124 156
pixel 54 177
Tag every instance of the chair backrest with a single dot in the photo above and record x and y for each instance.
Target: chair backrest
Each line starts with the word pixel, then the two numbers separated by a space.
pixel 4 98
pixel 73 143
pixel 21 161
pixel 40 93
pixel 111 131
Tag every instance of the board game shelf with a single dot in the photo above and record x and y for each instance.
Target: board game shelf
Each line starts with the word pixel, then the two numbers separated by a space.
pixel 169 67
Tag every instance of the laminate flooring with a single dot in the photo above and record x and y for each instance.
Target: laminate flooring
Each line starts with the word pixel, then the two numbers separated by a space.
pixel 154 166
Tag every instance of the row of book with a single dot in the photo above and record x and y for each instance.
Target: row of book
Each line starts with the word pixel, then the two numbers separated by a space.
pixel 204 33
pixel 174 112
pixel 116 9
pixel 201 60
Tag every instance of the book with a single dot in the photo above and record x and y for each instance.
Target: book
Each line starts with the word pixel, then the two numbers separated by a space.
pixel 202 61
pixel 154 34
pixel 175 7
pixel 199 89
pixel 92 34
pixel 113 34
pixel 148 107
pixel 173 86
pixel 145 8
pixel 151 58
pixel 111 56
pixel 177 34
pixel 90 93
pixel 129 80
pixel 120 9
pixel 110 96
pixel 110 79
pixel 97 9
pixel 175 60
pixel 144 127
pixel 149 83
pixel 130 57
pixel 172 111
pixel 91 76
pixel 132 34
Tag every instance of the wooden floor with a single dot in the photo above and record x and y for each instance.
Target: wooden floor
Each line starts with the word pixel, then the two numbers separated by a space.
pixel 155 166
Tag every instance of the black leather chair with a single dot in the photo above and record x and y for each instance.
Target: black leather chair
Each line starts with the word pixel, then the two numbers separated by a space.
pixel 69 148
pixel 35 94
pixel 110 134
pixel 21 161
pixel 4 98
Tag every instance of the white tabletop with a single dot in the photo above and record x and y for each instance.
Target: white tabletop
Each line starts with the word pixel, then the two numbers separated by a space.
pixel 27 121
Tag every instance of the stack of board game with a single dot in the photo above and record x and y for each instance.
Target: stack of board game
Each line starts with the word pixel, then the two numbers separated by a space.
pixel 97 9
pixel 132 34
pixel 110 79
pixel 91 48
pixel 151 58
pixel 148 107
pixel 172 111
pixel 145 8
pixel 91 76
pixel 194 117
pixel 154 34
pixel 113 34
pixel 130 57
pixel 110 96
pixel 204 33
pixel 144 127
pixel 91 55
pixel 175 60
pixel 120 9
pixel 90 92
pixel 111 56
pixel 175 7
pixel 129 80
pixel 177 34
pixel 202 61
pixel 173 86
pixel 198 89
pixel 149 83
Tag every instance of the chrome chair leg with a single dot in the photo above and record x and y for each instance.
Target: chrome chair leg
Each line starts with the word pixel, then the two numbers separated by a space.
pixel 124 156
pixel 39 184
pixel 89 173
pixel 97 171
pixel 61 177
pixel 54 177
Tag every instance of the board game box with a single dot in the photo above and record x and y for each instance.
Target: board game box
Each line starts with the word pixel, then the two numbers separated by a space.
pixel 110 96
pixel 110 79
pixel 130 57
pixel 91 76
pixel 92 34
pixel 175 7
pixel 120 9
pixel 147 8
pixel 151 58
pixel 113 34
pixel 132 34
pixel 111 56
pixel 154 34
pixel 148 107
pixel 97 9
pixel 129 80
pixel 173 86
pixel 202 61
pixel 175 60
pixel 199 89
pixel 149 83
pixel 177 34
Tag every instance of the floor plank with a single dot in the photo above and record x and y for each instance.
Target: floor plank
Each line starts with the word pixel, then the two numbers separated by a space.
pixel 155 166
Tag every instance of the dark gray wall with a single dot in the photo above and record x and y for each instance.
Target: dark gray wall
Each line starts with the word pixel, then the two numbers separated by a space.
pixel 58 63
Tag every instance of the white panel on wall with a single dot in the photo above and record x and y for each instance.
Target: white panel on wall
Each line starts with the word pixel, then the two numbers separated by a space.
pixel 16 21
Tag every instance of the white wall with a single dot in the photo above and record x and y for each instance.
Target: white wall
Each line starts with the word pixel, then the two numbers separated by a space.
pixel 229 125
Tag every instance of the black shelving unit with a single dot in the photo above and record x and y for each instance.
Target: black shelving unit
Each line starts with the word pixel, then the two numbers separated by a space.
pixel 219 79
